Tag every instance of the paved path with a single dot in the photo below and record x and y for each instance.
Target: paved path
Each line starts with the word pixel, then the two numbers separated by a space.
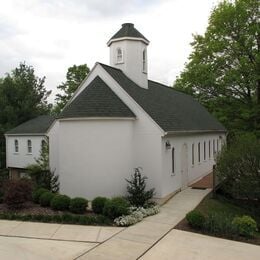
pixel 134 241
pixel 182 245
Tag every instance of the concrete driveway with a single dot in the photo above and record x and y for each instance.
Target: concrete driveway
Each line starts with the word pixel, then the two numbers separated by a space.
pixel 153 238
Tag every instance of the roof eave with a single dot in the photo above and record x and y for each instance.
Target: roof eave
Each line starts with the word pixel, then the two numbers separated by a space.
pixel 25 134
pixel 195 132
pixel 128 38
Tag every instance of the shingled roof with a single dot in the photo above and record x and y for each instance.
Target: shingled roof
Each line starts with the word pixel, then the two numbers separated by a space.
pixel 127 30
pixel 38 125
pixel 96 100
pixel 170 109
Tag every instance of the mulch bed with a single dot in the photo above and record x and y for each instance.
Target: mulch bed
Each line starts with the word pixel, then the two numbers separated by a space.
pixel 35 209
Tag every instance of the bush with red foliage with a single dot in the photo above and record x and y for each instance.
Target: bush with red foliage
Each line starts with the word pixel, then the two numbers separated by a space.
pixel 17 192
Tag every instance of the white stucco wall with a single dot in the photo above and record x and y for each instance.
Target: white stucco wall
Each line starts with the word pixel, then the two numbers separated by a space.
pixel 199 169
pixel 22 159
pixel 95 157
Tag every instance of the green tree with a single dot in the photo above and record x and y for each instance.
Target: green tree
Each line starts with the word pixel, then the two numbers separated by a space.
pixel 75 75
pixel 223 71
pixel 23 96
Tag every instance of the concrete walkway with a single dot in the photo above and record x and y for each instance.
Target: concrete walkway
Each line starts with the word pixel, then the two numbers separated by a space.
pixel 92 234
pixel 181 245
pixel 136 240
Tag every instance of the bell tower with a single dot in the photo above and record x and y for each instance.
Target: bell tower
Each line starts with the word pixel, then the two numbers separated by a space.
pixel 128 52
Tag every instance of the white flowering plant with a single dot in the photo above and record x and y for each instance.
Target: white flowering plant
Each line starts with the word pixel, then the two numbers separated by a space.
pixel 136 215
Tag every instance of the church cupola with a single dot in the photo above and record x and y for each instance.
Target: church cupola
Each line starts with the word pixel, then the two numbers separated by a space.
pixel 128 52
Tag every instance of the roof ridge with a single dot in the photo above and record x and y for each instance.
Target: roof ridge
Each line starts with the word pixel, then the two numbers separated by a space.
pixel 103 64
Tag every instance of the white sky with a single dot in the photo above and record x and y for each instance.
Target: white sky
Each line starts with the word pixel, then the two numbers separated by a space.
pixel 52 35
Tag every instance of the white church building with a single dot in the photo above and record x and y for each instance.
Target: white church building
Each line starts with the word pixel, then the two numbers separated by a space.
pixel 118 120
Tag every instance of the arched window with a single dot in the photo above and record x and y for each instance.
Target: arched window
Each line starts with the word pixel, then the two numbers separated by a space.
pixel 192 154
pixel 173 162
pixel 204 151
pixel 29 146
pixel 209 150
pixel 16 146
pixel 144 60
pixel 119 55
pixel 198 152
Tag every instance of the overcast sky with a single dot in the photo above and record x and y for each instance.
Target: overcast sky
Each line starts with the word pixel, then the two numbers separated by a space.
pixel 52 35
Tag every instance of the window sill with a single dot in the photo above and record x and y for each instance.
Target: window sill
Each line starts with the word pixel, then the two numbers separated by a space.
pixel 16 153
pixel 119 62
pixel 29 154
pixel 144 72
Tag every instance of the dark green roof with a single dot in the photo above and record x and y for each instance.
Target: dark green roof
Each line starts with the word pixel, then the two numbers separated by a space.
pixel 128 30
pixel 96 100
pixel 38 125
pixel 170 109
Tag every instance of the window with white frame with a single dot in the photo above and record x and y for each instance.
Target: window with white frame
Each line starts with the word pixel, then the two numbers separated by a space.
pixel 199 152
pixel 217 146
pixel 209 149
pixel 119 55
pixel 192 154
pixel 173 161
pixel 214 148
pixel 144 60
pixel 16 146
pixel 29 146
pixel 204 151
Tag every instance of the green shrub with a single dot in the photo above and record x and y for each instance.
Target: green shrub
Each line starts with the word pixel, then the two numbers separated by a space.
pixel 245 226
pixel 60 202
pixel 37 194
pixel 17 192
pixel 98 204
pixel 220 224
pixel 45 198
pixel 116 207
pixel 78 205
pixel 136 188
pixel 195 219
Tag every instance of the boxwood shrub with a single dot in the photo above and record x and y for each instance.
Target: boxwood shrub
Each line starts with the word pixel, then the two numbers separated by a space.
pixel 45 198
pixel 195 219
pixel 245 226
pixel 37 194
pixel 98 204
pixel 78 205
pixel 60 202
pixel 116 207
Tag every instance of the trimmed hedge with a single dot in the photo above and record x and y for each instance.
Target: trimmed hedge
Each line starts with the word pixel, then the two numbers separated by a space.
pixel 116 207
pixel 37 194
pixel 45 198
pixel 60 202
pixel 98 204
pixel 63 219
pixel 78 205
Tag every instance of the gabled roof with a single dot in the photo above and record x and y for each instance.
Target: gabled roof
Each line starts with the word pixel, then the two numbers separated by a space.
pixel 170 109
pixel 127 30
pixel 38 125
pixel 96 100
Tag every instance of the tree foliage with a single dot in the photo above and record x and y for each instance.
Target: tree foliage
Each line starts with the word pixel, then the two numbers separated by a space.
pixel 75 75
pixel 41 173
pixel 223 68
pixel 238 168
pixel 23 96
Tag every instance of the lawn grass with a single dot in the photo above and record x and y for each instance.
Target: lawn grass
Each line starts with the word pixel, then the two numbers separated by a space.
pixel 226 207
